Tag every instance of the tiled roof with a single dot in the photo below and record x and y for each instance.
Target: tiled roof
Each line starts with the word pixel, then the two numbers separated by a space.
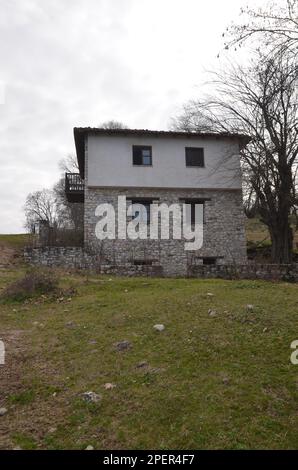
pixel 100 130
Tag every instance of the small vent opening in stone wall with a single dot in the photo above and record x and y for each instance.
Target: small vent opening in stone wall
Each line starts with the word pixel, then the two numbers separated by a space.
pixel 143 262
pixel 209 260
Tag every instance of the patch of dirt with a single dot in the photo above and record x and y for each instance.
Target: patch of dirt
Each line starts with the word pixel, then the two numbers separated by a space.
pixel 9 256
pixel 10 378
pixel 36 418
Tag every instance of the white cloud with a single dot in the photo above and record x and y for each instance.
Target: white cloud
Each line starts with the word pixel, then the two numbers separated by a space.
pixel 85 61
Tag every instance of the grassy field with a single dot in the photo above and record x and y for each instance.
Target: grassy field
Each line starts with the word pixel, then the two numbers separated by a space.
pixel 257 233
pixel 207 381
pixel 18 240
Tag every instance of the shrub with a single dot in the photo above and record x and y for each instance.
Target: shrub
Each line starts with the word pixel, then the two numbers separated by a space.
pixel 37 281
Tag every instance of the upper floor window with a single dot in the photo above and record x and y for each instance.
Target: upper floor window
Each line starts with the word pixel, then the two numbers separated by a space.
pixel 142 155
pixel 194 156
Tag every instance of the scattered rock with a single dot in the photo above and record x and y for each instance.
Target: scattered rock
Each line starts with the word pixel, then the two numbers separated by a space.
pixel 17 448
pixel 249 307
pixel 52 430
pixel 70 324
pixel 91 397
pixel 159 327
pixel 212 313
pixel 142 365
pixel 122 345
pixel 89 448
pixel 109 386
pixel 156 370
pixel 209 294
pixel 3 411
pixel 265 329
pixel 92 341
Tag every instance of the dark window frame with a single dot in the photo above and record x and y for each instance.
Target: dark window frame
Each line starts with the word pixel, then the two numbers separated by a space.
pixel 146 202
pixel 137 154
pixel 190 157
pixel 193 202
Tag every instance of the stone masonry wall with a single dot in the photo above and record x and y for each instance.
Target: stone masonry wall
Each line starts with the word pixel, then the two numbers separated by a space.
pixel 224 233
pixel 78 258
pixel 278 272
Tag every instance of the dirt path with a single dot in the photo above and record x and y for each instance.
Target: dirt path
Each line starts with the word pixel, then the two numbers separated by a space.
pixel 9 256
pixel 10 379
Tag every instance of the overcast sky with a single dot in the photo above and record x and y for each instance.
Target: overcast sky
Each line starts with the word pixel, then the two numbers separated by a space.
pixel 80 62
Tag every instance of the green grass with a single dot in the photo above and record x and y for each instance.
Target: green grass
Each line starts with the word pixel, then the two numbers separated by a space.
pixel 15 240
pixel 257 233
pixel 211 382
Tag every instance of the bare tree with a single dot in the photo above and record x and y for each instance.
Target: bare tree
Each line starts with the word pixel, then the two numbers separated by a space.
pixel 276 26
pixel 40 206
pixel 69 164
pixel 70 215
pixel 52 206
pixel 113 124
pixel 261 101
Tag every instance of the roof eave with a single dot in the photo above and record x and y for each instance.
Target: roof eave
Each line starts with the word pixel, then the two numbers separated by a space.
pixel 79 138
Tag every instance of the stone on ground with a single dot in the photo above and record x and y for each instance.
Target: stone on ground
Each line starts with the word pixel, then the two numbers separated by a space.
pixel 212 313
pixel 122 345
pixel 249 307
pixel 3 411
pixel 109 386
pixel 91 397
pixel 159 327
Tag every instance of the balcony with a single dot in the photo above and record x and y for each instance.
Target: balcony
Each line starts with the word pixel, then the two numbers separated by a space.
pixel 74 187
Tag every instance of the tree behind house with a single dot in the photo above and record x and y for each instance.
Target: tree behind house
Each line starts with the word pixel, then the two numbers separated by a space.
pixel 261 101
pixel 275 25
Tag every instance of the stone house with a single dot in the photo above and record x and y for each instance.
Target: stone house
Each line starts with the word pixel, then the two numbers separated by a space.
pixel 161 167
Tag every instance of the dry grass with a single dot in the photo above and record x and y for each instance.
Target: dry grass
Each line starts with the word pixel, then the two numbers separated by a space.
pixel 222 381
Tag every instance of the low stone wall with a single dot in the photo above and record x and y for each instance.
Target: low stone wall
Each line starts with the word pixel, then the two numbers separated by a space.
pixel 278 272
pixel 69 257
pixel 78 258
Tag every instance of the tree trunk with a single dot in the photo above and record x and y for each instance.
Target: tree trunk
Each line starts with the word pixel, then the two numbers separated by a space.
pixel 282 243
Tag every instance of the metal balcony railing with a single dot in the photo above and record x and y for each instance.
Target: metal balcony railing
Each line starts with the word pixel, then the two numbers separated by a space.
pixel 74 187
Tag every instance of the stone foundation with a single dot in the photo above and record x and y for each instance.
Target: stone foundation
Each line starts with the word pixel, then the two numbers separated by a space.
pixel 78 258
pixel 273 272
